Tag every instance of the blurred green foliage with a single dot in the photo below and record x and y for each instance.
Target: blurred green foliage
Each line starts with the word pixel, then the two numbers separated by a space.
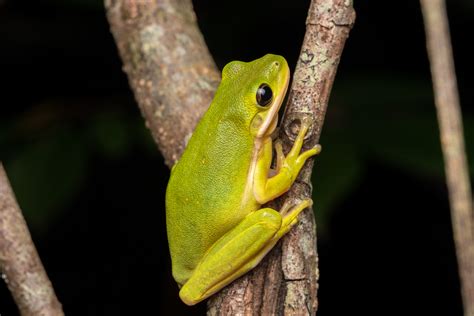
pixel 47 173
pixel 393 123
pixel 48 169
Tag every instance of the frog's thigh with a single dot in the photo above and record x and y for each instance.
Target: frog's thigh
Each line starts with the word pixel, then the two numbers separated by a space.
pixel 234 254
pixel 239 250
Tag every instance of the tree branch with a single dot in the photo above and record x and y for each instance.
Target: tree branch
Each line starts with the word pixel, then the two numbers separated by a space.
pixel 19 260
pixel 169 67
pixel 174 79
pixel 452 142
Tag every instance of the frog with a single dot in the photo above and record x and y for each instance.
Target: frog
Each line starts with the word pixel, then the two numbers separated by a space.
pixel 217 226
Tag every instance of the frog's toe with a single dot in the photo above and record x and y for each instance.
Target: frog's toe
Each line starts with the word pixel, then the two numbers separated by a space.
pixel 307 154
pixel 318 148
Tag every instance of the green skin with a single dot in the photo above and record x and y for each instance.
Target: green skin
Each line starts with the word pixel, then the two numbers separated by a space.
pixel 217 230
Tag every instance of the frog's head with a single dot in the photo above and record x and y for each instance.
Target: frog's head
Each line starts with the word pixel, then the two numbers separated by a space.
pixel 262 84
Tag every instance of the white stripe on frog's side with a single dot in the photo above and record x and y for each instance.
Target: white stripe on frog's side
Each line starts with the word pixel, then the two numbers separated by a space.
pixel 270 122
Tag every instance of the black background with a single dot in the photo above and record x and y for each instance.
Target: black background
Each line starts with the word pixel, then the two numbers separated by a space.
pixel 91 183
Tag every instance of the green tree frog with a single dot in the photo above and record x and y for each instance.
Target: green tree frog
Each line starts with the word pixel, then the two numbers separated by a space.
pixel 217 228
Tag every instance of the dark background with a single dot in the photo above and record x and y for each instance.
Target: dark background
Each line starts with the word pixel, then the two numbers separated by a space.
pixel 91 182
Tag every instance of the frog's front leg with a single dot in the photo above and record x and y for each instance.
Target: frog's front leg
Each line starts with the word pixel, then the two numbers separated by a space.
pixel 287 168
pixel 238 251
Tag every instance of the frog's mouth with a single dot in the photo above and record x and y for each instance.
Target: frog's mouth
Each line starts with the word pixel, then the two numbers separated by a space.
pixel 271 120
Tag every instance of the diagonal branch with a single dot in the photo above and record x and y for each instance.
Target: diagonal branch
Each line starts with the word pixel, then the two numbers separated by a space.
pixel 452 142
pixel 168 65
pixel 19 260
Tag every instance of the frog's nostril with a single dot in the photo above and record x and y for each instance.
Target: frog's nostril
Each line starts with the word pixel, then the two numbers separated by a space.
pixel 277 64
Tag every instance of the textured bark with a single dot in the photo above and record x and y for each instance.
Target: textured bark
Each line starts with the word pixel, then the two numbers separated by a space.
pixel 169 67
pixel 174 80
pixel 286 282
pixel 452 143
pixel 19 261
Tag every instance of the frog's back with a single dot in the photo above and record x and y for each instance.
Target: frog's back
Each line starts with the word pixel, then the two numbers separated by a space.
pixel 209 178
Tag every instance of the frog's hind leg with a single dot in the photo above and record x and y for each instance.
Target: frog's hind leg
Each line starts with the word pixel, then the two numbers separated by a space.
pixel 238 251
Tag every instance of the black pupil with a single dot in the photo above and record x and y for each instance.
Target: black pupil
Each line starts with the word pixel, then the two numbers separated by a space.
pixel 264 95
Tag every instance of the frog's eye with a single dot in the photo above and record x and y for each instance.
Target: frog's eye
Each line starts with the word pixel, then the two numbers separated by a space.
pixel 264 94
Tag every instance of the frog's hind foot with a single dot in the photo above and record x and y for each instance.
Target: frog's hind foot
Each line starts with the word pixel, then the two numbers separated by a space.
pixel 290 212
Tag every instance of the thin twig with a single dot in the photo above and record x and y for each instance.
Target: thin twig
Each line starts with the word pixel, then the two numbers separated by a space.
pixel 19 261
pixel 452 142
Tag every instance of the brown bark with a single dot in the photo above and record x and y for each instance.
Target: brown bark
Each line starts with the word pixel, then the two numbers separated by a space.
pixel 169 67
pixel 164 72
pixel 19 261
pixel 452 143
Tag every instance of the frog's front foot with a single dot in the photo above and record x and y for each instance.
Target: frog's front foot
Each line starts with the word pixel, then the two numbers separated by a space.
pixel 287 168
pixel 295 159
